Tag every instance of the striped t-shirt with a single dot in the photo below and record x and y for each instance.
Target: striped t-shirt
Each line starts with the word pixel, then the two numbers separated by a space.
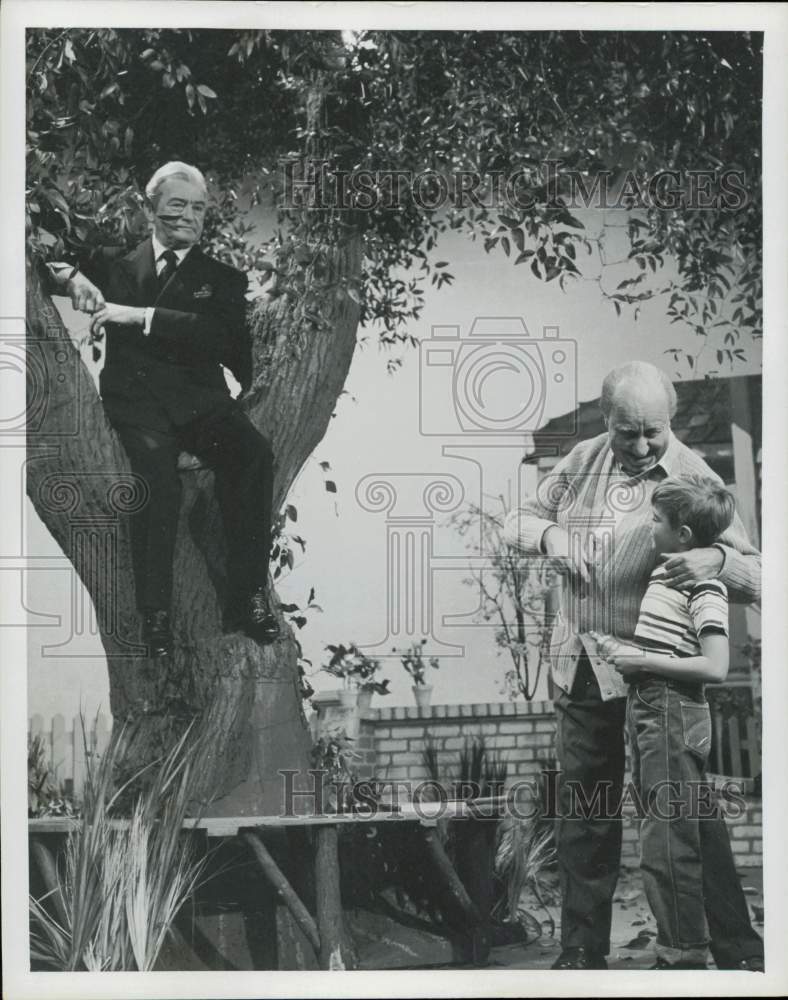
pixel 673 620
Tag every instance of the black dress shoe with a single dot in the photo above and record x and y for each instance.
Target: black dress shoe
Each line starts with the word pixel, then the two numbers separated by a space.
pixel 258 621
pixel 156 634
pixel 579 958
pixel 662 964
pixel 754 963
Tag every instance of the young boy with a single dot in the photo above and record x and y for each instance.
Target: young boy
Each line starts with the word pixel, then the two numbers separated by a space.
pixel 683 643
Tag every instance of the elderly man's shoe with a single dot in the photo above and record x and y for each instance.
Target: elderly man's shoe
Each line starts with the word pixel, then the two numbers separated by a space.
pixel 258 621
pixel 156 634
pixel 579 958
pixel 753 963
pixel 661 963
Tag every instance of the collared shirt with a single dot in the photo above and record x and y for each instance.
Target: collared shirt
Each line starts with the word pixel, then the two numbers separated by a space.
pixel 607 515
pixel 160 263
pixel 159 249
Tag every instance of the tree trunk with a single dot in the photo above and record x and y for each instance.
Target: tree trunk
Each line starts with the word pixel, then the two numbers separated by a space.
pixel 79 481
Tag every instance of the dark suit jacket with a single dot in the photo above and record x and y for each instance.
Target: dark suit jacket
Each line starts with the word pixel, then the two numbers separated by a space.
pixel 173 375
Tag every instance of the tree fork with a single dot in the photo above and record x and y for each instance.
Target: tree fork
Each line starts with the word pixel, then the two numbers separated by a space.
pixel 79 481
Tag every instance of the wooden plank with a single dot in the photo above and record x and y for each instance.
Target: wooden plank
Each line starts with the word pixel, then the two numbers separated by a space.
pixel 230 826
pixel 284 890
pixel 59 755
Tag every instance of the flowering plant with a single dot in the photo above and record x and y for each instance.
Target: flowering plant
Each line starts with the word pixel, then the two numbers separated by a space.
pixel 412 659
pixel 352 666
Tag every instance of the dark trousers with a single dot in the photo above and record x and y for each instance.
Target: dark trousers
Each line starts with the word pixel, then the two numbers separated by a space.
pixel 242 462
pixel 590 746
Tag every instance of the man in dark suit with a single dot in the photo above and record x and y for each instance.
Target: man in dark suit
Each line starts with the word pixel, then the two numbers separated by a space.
pixel 173 317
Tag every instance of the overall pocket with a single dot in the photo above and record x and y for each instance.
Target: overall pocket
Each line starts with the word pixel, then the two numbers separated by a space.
pixel 651 695
pixel 696 723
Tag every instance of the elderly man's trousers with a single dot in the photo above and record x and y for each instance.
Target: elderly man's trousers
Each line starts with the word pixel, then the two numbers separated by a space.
pixel 242 463
pixel 591 757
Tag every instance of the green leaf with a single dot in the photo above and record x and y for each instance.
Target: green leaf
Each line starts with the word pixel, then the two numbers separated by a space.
pixel 331 487
pixel 205 91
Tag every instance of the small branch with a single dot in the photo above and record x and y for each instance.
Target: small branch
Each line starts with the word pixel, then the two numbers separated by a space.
pixel 43 52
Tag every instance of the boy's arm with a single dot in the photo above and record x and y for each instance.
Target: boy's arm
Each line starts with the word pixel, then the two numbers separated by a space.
pixel 711 667
pixel 707 604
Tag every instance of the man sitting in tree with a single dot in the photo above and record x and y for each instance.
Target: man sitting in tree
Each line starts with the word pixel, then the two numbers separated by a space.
pixel 173 316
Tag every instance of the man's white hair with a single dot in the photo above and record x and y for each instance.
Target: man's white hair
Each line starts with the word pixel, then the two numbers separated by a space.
pixel 185 171
pixel 639 374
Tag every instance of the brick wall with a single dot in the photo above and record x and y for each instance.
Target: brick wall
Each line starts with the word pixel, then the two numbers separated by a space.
pixel 390 742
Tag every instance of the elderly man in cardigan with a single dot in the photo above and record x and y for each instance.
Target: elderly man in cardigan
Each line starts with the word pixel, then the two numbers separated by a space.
pixel 572 510
pixel 174 317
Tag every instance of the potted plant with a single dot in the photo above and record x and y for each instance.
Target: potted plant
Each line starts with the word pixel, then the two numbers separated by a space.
pixel 415 664
pixel 357 673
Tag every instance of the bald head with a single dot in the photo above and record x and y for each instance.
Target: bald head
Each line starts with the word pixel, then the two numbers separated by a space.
pixel 637 403
pixel 640 379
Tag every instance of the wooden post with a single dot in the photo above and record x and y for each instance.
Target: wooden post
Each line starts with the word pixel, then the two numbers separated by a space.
pixel 450 877
pixel 284 890
pixel 330 925
pixel 59 752
pixel 752 748
pixel 733 741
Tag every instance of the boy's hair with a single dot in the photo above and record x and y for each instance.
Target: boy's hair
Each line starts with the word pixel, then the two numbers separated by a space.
pixel 705 506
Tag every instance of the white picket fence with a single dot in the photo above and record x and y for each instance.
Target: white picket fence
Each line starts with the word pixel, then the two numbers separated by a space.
pixel 734 747
pixel 66 749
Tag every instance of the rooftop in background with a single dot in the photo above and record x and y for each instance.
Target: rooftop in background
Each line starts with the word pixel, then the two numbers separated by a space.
pixel 703 416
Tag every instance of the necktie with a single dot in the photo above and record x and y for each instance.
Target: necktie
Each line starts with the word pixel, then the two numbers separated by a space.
pixel 170 266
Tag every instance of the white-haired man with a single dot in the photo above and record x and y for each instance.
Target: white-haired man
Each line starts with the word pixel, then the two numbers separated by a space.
pixel 604 485
pixel 173 317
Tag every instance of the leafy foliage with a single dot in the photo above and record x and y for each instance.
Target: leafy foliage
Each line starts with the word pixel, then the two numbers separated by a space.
pixel 349 664
pixel 414 662
pixel 46 796
pixel 106 106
